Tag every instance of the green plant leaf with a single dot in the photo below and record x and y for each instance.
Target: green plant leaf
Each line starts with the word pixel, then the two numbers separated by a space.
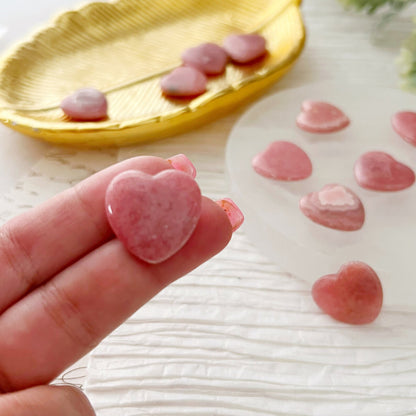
pixel 407 63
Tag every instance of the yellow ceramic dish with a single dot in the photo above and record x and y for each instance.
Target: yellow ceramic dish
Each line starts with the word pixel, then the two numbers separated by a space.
pixel 123 49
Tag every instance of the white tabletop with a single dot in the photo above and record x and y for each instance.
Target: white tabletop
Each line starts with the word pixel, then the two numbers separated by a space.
pixel 238 336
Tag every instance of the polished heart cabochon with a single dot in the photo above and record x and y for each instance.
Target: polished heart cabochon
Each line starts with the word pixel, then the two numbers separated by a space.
pixel 153 216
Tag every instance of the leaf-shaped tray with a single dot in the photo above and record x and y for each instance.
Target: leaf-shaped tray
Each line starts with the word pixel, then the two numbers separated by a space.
pixel 123 49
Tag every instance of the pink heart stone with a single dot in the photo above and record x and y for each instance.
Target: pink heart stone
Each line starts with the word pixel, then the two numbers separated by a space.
pixel 153 216
pixel 184 82
pixel 404 124
pixel 208 58
pixel 283 161
pixel 86 104
pixel 245 48
pixel 354 295
pixel 379 171
pixel 334 206
pixel 320 117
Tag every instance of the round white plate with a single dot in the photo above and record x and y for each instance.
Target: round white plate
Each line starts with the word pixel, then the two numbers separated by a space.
pixel 387 241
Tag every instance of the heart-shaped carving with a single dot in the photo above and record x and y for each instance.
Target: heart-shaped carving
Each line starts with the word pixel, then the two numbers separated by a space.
pixel 354 295
pixel 283 161
pixel 153 216
pixel 245 48
pixel 404 124
pixel 184 81
pixel 334 206
pixel 379 171
pixel 86 104
pixel 208 58
pixel 321 117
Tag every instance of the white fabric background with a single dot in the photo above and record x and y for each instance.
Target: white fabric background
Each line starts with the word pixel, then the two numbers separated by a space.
pixel 238 336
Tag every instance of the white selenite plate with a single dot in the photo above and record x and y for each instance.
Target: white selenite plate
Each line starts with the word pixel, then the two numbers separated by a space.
pixel 274 222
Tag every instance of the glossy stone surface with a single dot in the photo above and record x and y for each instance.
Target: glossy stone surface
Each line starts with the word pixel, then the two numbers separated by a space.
pixel 208 58
pixel 234 213
pixel 321 117
pixel 153 216
pixel 86 104
pixel 404 124
pixel 334 206
pixel 184 82
pixel 354 295
pixel 379 171
pixel 181 162
pixel 245 48
pixel 283 161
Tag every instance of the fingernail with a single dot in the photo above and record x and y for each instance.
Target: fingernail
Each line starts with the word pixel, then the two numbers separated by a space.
pixel 234 213
pixel 182 163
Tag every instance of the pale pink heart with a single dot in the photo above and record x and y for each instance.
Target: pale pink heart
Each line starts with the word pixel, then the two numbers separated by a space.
pixel 234 214
pixel 379 171
pixel 245 48
pixel 208 58
pixel 153 216
pixel 334 206
pixel 85 104
pixel 354 295
pixel 283 161
pixel 184 82
pixel 404 124
pixel 321 117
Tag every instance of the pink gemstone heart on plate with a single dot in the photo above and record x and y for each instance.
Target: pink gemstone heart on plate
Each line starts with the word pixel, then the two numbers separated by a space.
pixel 153 216
pixel 404 124
pixel 184 82
pixel 86 104
pixel 379 171
pixel 245 48
pixel 334 206
pixel 283 161
pixel 354 295
pixel 321 117
pixel 208 58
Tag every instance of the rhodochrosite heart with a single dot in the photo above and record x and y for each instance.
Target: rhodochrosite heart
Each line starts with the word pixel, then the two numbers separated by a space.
pixel 153 216
pixel 321 117
pixel 334 206
pixel 354 295
pixel 283 161
pixel 404 124
pixel 184 82
pixel 245 48
pixel 208 58
pixel 379 171
pixel 85 104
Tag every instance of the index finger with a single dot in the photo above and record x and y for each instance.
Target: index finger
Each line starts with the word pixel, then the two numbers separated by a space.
pixel 43 241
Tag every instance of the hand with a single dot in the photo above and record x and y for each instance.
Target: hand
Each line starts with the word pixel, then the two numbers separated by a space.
pixel 66 283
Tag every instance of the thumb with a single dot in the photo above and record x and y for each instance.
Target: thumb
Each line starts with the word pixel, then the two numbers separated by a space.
pixel 46 401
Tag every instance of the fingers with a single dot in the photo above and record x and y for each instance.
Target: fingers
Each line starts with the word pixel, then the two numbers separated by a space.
pixel 46 401
pixel 41 242
pixel 61 321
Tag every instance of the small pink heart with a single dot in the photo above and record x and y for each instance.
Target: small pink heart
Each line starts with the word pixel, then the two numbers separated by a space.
pixel 153 216
pixel 334 206
pixel 184 82
pixel 354 295
pixel 208 58
pixel 320 117
pixel 283 161
pixel 379 171
pixel 404 124
pixel 245 48
pixel 86 104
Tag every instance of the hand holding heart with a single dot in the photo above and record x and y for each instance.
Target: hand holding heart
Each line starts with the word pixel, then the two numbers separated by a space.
pixel 68 282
